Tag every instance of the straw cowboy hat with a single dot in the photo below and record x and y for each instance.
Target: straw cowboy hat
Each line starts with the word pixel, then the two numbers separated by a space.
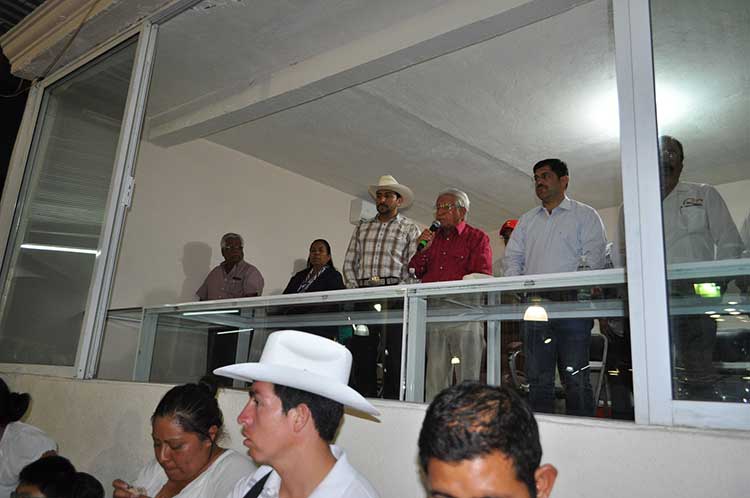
pixel 387 182
pixel 304 361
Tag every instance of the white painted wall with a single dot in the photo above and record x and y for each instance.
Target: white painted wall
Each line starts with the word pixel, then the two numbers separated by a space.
pixel 103 427
pixel 735 194
pixel 186 197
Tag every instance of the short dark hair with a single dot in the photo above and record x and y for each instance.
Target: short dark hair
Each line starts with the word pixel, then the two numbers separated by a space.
pixel 558 166
pixel 664 138
pixel 12 405
pixel 471 420
pixel 326 413
pixel 194 407
pixel 87 486
pixel 54 476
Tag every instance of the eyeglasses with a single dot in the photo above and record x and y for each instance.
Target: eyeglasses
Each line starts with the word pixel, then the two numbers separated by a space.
pixel 669 154
pixel 447 206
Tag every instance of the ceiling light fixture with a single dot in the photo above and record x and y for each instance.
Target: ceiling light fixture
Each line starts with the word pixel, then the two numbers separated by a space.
pixel 209 312
pixel 603 113
pixel 671 104
pixel 535 312
pixel 45 247
pixel 238 331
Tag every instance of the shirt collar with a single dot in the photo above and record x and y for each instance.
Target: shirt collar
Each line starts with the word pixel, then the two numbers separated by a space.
pixel 395 218
pixel 460 227
pixel 339 473
pixel 566 205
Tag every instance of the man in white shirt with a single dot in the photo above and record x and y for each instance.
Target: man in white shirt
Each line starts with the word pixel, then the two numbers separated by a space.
pixel 296 404
pixel 697 227
pixel 552 238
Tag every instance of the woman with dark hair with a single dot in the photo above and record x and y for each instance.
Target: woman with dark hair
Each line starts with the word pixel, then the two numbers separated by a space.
pixel 186 427
pixel 319 275
pixel 20 443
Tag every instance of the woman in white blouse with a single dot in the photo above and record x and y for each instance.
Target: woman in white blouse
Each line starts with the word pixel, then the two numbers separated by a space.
pixel 186 427
pixel 20 443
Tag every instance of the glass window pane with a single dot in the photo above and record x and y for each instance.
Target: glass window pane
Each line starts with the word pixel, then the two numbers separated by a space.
pixel 702 80
pixel 191 343
pixel 278 135
pixel 67 183
pixel 582 332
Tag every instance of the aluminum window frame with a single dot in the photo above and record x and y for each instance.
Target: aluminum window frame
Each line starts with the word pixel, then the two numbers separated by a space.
pixel 644 235
pixel 15 192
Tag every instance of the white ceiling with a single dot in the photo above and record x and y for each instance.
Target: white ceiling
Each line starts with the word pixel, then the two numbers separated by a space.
pixel 477 118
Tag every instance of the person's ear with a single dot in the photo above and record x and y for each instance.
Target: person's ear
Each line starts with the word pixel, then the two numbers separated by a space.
pixel 300 417
pixel 545 477
pixel 213 431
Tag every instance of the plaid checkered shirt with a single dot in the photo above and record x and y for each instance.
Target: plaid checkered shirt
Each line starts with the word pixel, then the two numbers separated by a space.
pixel 380 249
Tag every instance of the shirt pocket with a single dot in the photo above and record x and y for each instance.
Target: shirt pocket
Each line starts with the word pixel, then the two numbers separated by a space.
pixel 234 285
pixel 693 219
pixel 459 257
pixel 570 242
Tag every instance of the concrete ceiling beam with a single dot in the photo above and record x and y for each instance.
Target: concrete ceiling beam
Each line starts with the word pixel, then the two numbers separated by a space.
pixel 442 30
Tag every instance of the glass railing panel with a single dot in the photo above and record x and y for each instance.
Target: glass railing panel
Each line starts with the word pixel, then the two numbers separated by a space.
pixel 119 343
pixel 561 341
pixel 184 342
pixel 701 56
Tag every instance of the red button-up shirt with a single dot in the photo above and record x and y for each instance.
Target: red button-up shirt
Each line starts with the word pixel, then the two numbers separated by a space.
pixel 454 252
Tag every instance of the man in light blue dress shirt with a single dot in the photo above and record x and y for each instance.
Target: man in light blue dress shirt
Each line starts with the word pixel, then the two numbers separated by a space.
pixel 554 238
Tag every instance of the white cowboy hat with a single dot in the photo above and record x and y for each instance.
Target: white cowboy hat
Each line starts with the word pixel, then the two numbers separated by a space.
pixel 387 182
pixel 304 361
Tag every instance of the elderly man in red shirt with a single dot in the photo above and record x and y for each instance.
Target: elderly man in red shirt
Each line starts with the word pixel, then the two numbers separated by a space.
pixel 453 251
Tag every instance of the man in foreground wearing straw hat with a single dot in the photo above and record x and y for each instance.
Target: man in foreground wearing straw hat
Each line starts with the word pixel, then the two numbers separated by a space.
pixel 378 254
pixel 296 404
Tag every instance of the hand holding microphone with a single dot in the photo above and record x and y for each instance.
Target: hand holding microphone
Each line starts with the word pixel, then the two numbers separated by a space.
pixel 425 238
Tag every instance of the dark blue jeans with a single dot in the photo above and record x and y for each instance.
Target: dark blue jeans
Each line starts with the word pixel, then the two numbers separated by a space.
pixel 565 344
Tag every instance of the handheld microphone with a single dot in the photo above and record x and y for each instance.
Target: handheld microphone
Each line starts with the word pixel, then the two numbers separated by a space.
pixel 433 228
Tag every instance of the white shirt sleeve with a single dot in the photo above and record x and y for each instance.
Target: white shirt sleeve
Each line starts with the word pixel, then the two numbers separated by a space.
pixel 724 232
pixel 593 239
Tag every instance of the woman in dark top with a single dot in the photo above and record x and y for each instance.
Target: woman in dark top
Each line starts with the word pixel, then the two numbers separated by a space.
pixel 320 275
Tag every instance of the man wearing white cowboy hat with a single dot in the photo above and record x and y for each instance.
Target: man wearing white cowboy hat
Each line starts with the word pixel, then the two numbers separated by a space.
pixel 379 253
pixel 296 404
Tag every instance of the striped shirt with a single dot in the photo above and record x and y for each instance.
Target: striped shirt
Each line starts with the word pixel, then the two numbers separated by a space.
pixel 380 249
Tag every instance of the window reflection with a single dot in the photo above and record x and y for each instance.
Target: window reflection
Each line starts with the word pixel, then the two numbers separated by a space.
pixel 285 166
pixel 702 71
pixel 48 270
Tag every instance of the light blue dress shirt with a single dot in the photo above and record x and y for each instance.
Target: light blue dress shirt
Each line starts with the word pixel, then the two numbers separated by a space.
pixel 554 242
